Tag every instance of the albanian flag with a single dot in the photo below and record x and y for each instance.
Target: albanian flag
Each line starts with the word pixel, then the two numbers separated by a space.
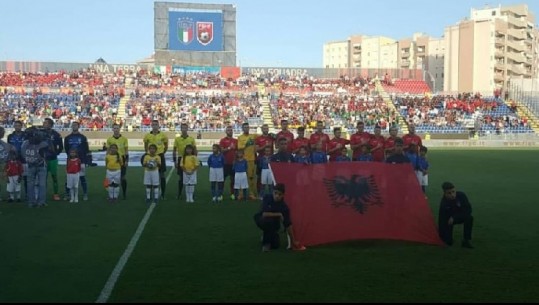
pixel 344 201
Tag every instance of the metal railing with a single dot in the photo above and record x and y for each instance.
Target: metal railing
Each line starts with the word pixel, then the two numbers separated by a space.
pixel 525 91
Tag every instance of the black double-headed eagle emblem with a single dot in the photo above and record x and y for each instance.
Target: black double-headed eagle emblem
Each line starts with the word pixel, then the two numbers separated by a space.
pixel 357 191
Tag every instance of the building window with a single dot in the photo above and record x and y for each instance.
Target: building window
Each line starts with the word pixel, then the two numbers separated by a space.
pixel 493 13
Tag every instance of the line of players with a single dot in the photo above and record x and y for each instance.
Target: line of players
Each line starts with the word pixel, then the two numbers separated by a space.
pixel 29 156
pixel 245 160
pixel 259 151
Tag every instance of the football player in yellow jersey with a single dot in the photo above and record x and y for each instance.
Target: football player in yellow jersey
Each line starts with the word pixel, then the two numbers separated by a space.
pixel 151 163
pixel 246 142
pixel 160 140
pixel 178 150
pixel 122 145
pixel 114 164
pixel 189 166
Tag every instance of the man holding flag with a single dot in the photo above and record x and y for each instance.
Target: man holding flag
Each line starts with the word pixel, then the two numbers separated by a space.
pixel 274 211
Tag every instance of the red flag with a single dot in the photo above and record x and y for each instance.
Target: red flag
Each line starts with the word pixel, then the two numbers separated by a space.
pixel 356 200
pixel 230 72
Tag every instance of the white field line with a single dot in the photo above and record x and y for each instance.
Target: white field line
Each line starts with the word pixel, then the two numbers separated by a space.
pixel 113 278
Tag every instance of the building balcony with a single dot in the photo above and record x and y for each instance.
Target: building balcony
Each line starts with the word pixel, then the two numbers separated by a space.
pixel 500 41
pixel 516 69
pixel 499 66
pixel 516 45
pixel 405 63
pixel 519 23
pixel 499 77
pixel 516 57
pixel 518 34
pixel 405 54
pixel 499 53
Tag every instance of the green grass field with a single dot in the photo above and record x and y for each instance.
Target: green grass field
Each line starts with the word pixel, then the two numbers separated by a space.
pixel 206 253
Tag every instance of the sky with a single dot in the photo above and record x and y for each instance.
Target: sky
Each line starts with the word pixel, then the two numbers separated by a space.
pixel 276 33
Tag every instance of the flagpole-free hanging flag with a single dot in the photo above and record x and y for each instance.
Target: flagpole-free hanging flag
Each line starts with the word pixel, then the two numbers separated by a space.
pixel 336 202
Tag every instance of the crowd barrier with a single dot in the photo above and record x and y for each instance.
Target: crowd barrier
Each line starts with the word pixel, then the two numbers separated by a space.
pixel 135 140
pixel 206 144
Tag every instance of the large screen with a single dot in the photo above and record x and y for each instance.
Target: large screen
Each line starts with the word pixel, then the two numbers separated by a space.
pixel 195 31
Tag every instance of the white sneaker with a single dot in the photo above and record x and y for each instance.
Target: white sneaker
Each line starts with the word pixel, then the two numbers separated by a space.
pixel 85 198
pixel 72 201
pixel 76 200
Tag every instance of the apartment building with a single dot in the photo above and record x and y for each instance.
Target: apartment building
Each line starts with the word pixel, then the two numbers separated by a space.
pixel 380 52
pixel 413 52
pixel 493 46
pixel 435 64
pixel 367 52
pixel 337 54
pixel 377 52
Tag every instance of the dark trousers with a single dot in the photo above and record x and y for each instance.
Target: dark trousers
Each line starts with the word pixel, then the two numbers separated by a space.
pixel 270 227
pixel 229 172
pixel 446 230
pixel 180 178
pixel 123 174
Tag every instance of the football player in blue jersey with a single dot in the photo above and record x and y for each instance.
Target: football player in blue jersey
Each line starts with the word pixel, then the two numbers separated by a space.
pixel 78 141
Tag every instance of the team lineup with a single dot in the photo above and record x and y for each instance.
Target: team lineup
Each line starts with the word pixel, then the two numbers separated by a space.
pixel 30 155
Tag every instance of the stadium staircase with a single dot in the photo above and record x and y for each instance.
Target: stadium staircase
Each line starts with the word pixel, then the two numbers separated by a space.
pixel 121 107
pixel 403 127
pixel 524 111
pixel 123 101
pixel 266 112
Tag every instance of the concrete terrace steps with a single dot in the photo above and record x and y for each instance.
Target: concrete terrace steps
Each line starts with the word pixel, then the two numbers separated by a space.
pixel 403 127
pixel 266 112
pixel 123 101
pixel 121 107
pixel 524 111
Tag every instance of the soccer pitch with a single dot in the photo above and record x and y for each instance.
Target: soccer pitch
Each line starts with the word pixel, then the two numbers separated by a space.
pixel 204 252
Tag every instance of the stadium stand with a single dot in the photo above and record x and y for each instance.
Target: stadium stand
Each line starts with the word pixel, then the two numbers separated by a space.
pixel 208 102
pixel 406 86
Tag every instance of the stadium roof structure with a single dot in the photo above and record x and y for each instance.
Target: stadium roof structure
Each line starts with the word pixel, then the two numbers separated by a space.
pixel 148 60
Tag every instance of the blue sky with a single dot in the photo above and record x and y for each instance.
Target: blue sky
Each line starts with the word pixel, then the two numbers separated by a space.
pixel 269 33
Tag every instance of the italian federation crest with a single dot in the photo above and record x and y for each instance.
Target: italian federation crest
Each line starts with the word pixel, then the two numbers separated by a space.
pixel 205 33
pixel 186 30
